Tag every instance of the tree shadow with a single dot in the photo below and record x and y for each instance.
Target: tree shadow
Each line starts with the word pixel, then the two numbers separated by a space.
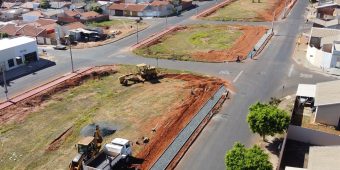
pixel 275 146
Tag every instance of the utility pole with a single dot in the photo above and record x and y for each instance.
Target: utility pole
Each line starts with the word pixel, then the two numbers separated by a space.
pixel 3 70
pixel 137 22
pixel 70 47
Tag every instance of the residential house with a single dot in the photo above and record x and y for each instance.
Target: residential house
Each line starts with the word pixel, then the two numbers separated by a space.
pixel 32 16
pixel 321 157
pixel 70 16
pixel 160 9
pixel 324 48
pixel 12 14
pixel 30 5
pixel 65 30
pixel 10 29
pixel 125 9
pixel 326 14
pixel 60 5
pixel 53 13
pixel 325 97
pixel 93 16
pixel 80 6
pixel 8 5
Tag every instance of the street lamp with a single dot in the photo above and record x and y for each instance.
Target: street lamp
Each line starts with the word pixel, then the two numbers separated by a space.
pixel 68 38
pixel 3 70
pixel 137 22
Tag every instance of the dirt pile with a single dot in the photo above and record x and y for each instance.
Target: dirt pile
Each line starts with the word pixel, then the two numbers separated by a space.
pixel 20 110
pixel 241 47
pixel 202 88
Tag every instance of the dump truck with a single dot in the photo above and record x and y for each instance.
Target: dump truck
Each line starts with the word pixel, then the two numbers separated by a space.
pixel 144 73
pixel 113 154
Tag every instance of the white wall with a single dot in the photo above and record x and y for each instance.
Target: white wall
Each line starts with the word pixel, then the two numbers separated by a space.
pixel 312 136
pixel 18 51
pixel 320 58
pixel 328 114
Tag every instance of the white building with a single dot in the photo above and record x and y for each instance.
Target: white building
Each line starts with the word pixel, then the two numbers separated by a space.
pixel 323 49
pixel 18 51
pixel 326 96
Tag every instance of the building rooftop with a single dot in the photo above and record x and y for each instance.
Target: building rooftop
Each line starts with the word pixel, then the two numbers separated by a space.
pixel 9 43
pixel 324 157
pixel 327 93
pixel 324 32
pixel 306 90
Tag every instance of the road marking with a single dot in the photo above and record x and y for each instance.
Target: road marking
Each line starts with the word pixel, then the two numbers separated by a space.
pixel 238 76
pixel 291 70
pixel 224 72
pixel 302 75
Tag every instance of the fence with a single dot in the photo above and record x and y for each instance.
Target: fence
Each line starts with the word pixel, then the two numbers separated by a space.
pixel 260 44
pixel 165 159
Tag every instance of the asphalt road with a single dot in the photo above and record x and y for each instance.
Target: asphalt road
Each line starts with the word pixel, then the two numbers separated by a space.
pixel 255 80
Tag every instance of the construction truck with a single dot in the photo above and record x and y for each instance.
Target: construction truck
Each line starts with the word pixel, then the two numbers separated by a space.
pixel 88 147
pixel 144 73
pixel 113 154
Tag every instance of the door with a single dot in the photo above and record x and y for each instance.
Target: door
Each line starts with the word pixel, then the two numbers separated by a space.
pixel 119 13
pixel 31 57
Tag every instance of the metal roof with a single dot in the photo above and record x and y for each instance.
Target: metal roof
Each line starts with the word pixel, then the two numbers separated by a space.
pixel 327 93
pixel 306 90
pixel 9 43
pixel 119 141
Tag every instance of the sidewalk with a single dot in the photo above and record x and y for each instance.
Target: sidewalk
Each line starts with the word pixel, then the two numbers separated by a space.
pixel 299 56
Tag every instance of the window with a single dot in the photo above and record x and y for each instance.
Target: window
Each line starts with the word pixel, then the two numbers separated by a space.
pixel 10 63
pixel 18 60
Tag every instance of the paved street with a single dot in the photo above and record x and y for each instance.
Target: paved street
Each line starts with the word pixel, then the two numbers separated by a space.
pixel 255 80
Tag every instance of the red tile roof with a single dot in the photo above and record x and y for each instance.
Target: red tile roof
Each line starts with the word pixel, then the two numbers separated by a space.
pixel 118 6
pixel 10 29
pixel 74 25
pixel 136 7
pixel 30 30
pixel 71 13
pixel 159 3
pixel 43 22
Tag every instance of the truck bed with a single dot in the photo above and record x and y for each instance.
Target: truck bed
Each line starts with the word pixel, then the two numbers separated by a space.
pixel 102 162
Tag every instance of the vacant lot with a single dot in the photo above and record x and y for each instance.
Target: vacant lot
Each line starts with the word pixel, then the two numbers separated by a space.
pixel 246 10
pixel 134 110
pixel 210 43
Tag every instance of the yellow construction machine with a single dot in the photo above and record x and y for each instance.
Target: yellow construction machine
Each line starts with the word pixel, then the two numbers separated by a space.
pixel 144 73
pixel 88 147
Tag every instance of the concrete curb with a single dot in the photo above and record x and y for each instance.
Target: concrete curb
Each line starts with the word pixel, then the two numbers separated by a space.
pixel 184 135
pixel 212 9
pixel 257 51
pixel 289 8
pixel 153 37
pixel 41 88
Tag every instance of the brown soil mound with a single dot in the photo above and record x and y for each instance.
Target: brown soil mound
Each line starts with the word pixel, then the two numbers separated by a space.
pixel 202 89
pixel 20 110
pixel 278 8
pixel 241 48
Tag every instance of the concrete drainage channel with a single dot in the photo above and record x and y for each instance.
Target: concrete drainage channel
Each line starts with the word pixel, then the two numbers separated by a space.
pixel 260 44
pixel 169 154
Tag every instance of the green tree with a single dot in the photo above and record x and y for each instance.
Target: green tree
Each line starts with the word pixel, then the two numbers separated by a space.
pixel 266 119
pixel 96 8
pixel 45 4
pixel 3 35
pixel 241 158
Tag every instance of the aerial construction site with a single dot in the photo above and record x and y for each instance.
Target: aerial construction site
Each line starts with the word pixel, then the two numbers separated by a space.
pixel 131 111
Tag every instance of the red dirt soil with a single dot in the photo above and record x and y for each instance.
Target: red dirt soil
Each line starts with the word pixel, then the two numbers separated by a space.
pixel 278 7
pixel 170 124
pixel 241 48
pixel 202 90
pixel 18 111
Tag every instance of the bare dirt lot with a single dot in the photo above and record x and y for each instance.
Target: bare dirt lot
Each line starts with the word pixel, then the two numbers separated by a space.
pixel 247 10
pixel 207 43
pixel 40 132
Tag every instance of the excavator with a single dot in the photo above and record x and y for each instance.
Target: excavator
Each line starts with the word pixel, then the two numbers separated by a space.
pixel 88 147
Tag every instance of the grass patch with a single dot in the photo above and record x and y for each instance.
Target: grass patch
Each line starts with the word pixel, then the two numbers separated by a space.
pixel 197 38
pixel 243 10
pixel 23 145
pixel 114 23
